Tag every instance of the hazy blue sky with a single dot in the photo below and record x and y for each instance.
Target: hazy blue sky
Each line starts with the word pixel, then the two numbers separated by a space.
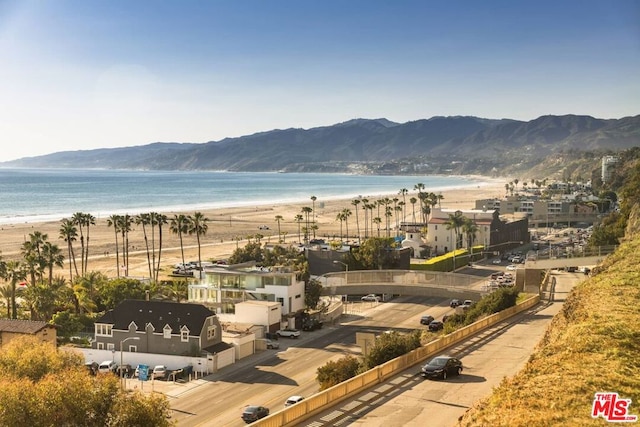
pixel 90 74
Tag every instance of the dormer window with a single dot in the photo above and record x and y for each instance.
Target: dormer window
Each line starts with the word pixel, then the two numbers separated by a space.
pixel 166 332
pixel 104 330
pixel 184 336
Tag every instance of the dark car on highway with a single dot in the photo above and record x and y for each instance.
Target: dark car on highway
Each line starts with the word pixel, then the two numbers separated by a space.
pixel 441 367
pixel 436 325
pixel 425 320
pixel 454 303
pixel 253 413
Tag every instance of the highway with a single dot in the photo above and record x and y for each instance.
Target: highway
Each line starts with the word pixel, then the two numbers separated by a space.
pixel 407 400
pixel 271 376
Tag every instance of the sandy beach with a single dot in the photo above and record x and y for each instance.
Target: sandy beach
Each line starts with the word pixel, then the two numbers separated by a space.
pixel 228 228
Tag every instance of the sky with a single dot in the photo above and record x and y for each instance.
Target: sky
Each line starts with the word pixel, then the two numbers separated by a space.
pixel 88 74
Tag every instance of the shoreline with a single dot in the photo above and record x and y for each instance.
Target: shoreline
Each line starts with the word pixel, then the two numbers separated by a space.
pixel 481 181
pixel 228 228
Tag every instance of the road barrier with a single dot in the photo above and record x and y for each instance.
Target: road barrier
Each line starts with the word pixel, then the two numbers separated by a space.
pixel 325 399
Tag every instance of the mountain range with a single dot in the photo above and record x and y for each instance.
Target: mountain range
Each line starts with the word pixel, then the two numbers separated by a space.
pixel 355 145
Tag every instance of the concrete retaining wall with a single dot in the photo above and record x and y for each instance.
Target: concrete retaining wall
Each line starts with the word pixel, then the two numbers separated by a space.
pixel 325 399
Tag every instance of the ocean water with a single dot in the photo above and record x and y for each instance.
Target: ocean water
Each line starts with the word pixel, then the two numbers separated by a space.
pixel 34 195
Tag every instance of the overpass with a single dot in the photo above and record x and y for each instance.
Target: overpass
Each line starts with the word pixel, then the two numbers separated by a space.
pixel 404 282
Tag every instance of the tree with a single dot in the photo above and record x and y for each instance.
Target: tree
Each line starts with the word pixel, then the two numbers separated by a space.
pixel 299 218
pixel 355 203
pixel 279 218
pixel 306 210
pixel 346 213
pixel 313 209
pixel 144 219
pixel 51 257
pixel 374 253
pixel 160 221
pixel 14 272
pixel 413 201
pixel 198 226
pixel 69 233
pixel 180 226
pixel 336 371
pixel 454 222
pixel 312 293
pixel 42 387
pixel 114 221
pixel 470 230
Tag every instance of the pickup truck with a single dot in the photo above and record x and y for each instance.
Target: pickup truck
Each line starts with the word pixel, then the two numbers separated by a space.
pixel 291 333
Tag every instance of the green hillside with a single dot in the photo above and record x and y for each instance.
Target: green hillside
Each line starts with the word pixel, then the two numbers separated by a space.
pixel 592 345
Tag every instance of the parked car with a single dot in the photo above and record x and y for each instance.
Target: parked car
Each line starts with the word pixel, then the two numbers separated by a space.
pixel 311 324
pixel 107 366
pixel 512 267
pixel 426 319
pixel 159 372
pixel 370 297
pixel 272 344
pixel 124 370
pixel 92 367
pixel 293 400
pixel 454 303
pixel 442 367
pixel 436 325
pixel 497 261
pixel 253 413
pixel 290 333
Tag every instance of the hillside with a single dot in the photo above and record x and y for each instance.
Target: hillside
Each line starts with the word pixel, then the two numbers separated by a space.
pixel 460 145
pixel 592 345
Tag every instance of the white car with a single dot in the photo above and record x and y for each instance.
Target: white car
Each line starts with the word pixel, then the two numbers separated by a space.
pixel 370 297
pixel 272 344
pixel 512 267
pixel 290 333
pixel 107 366
pixel 293 400
pixel 159 372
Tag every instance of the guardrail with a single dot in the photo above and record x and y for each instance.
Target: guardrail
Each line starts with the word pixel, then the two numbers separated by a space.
pixel 325 399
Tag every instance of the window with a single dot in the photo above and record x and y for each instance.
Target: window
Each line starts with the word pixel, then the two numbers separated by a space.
pixel 211 332
pixel 184 336
pixel 104 330
pixel 100 346
pixel 111 346
pixel 166 332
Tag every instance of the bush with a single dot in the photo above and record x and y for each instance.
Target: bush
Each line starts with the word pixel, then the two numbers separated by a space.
pixel 335 372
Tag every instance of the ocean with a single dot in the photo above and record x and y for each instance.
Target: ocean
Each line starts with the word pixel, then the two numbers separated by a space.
pixel 37 195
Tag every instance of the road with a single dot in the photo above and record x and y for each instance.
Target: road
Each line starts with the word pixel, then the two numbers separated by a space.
pixel 407 400
pixel 269 377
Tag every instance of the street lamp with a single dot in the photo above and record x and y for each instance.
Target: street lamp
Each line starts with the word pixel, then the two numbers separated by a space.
pixel 121 345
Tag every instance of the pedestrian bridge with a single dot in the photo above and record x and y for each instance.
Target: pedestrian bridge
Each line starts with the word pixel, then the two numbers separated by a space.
pixel 404 282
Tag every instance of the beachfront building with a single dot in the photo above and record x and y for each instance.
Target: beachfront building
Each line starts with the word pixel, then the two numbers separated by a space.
pixel 221 287
pixel 441 238
pixel 13 328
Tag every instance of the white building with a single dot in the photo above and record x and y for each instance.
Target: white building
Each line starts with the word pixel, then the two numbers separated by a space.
pixel 222 287
pixel 442 240
pixel 608 164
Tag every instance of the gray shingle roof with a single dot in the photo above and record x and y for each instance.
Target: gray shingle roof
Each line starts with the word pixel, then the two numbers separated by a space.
pixel 22 326
pixel 159 314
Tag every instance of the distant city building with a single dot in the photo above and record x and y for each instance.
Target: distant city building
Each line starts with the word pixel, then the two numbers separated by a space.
pixel 608 164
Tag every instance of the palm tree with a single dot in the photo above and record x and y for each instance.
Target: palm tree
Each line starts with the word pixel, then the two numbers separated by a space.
pixel 144 219
pixel 161 220
pixel 455 222
pixel 89 220
pixel 114 221
pixel 180 226
pixel 313 207
pixel 470 230
pixel 306 210
pixel 355 203
pixel 198 226
pixel 69 233
pixel 377 220
pixel 126 221
pixel 340 217
pixel 14 272
pixel 279 218
pixel 346 213
pixel 413 201
pixel 51 257
pixel 299 218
